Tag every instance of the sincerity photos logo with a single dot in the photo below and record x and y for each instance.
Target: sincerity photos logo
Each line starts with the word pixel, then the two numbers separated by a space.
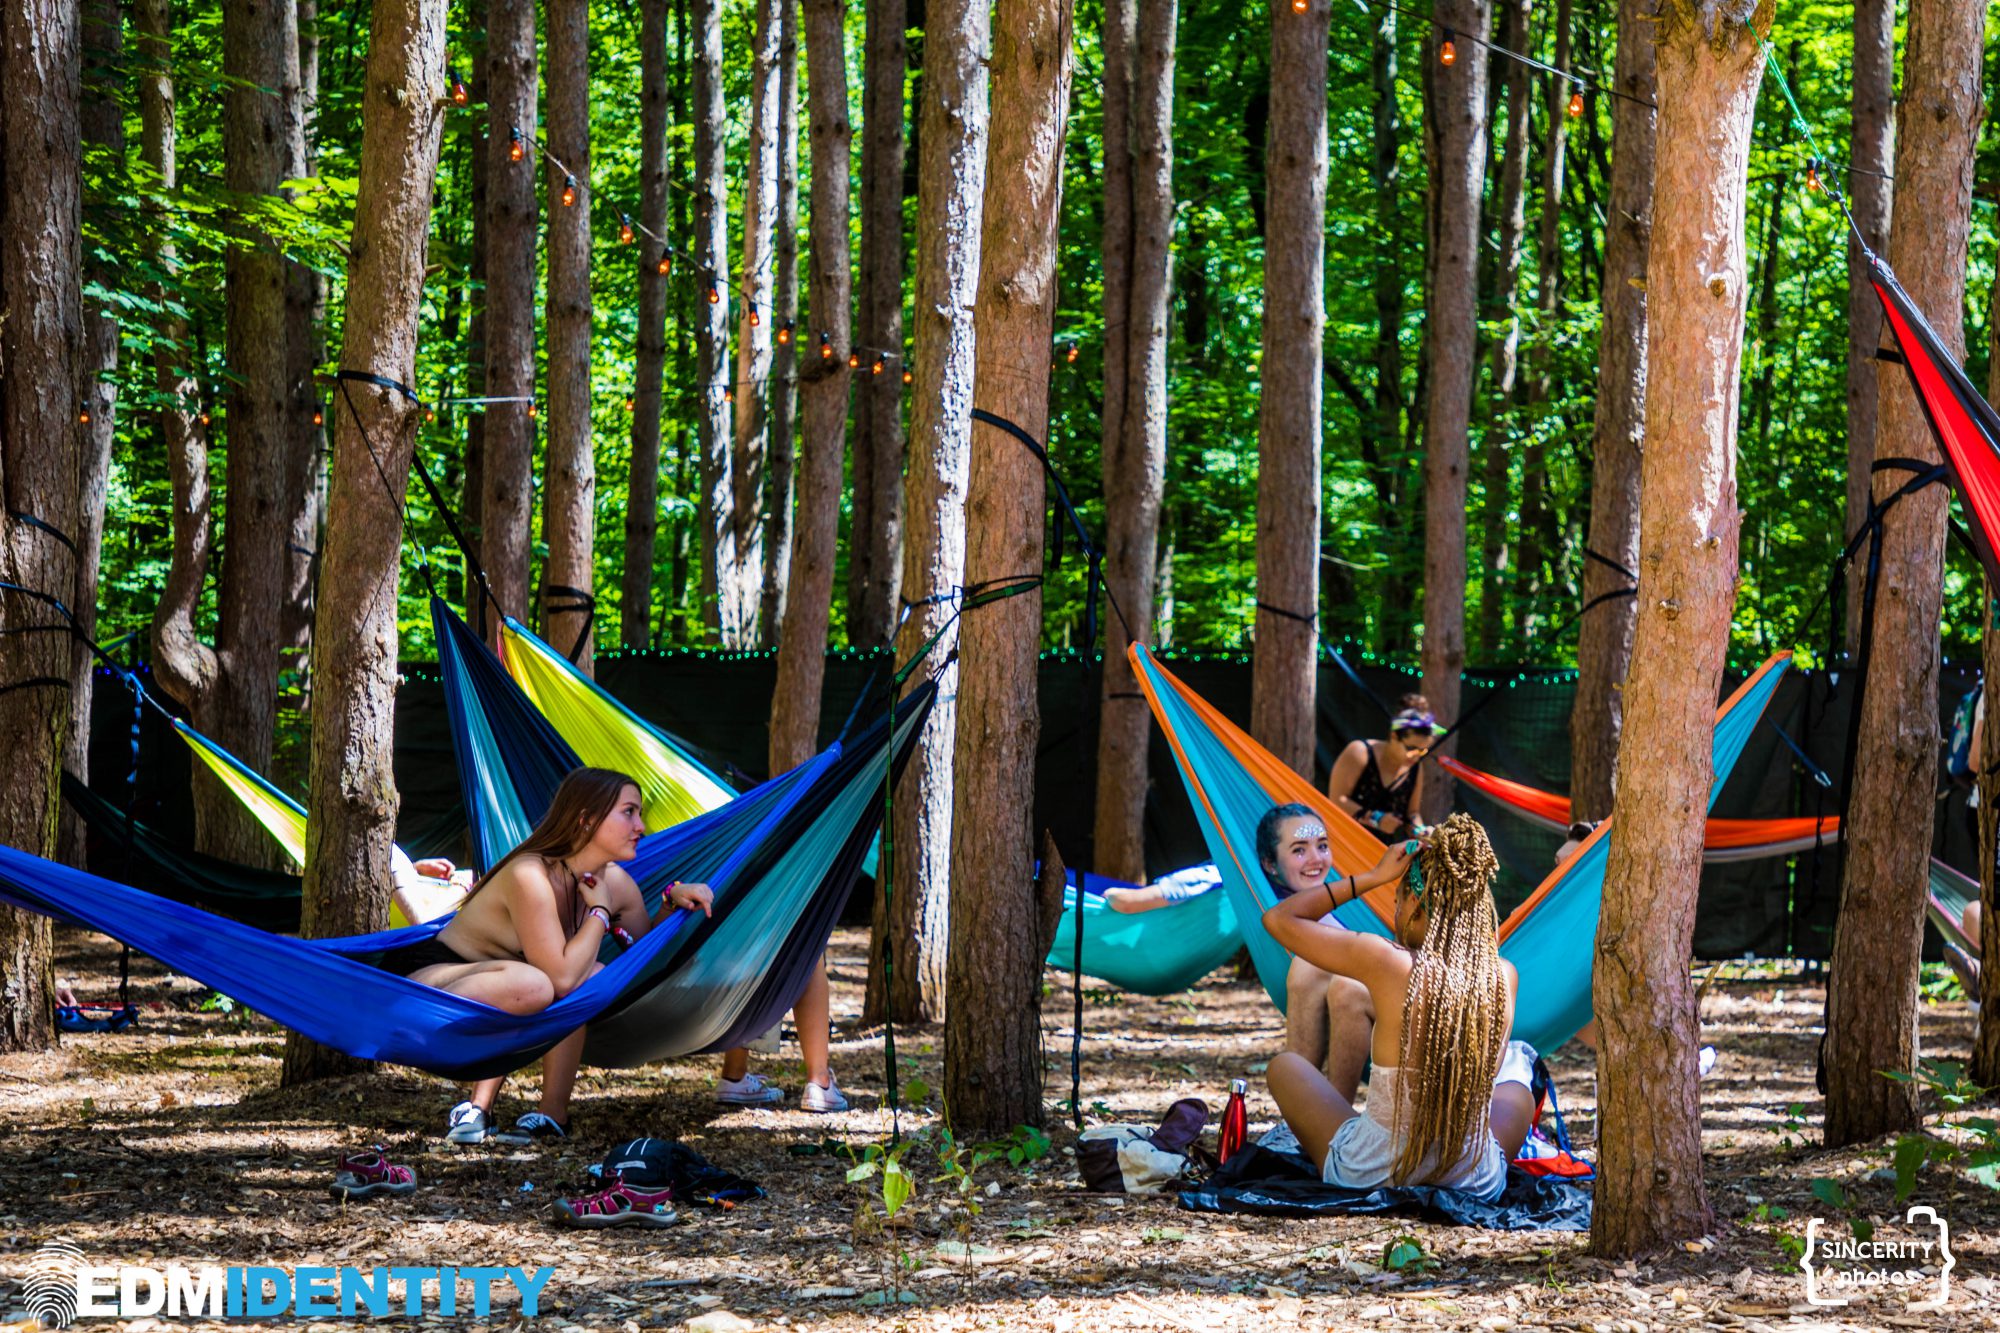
pixel 1916 1265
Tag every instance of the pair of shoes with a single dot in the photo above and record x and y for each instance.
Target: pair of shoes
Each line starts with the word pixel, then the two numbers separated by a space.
pixel 620 1206
pixel 363 1175
pixel 750 1090
pixel 824 1100
pixel 534 1127
pixel 469 1123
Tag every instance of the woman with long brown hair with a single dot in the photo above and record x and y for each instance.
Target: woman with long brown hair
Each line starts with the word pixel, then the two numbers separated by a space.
pixel 529 931
pixel 1448 1101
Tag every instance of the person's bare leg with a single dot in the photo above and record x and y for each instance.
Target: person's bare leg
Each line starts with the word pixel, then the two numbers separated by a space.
pixel 1350 1034
pixel 1312 1106
pixel 518 988
pixel 1305 1011
pixel 485 1093
pixel 735 1062
pixel 559 1068
pixel 1512 1115
pixel 813 1017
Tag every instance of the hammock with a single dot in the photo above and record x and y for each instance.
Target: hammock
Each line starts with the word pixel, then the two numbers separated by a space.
pixel 1723 839
pixel 781 859
pixel 1232 781
pixel 282 817
pixel 1160 952
pixel 1945 903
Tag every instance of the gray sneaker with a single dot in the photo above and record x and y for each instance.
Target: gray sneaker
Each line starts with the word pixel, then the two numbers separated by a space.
pixel 469 1124
pixel 750 1090
pixel 532 1128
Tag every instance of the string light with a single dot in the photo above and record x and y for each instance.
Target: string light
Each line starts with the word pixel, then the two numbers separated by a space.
pixel 785 333
pixel 319 416
pixel 534 410
pixel 825 347
pixel 756 320
pixel 460 96
pixel 430 414
pixel 1576 103
pixel 516 150
pixel 714 291
pixel 1301 6
pixel 569 191
pixel 666 264
pixel 630 402
pixel 1070 356
pixel 729 395
pixel 909 376
pixel 879 366
pixel 624 229
pixel 1812 175
pixel 83 413
pixel 204 418
pixel 1448 52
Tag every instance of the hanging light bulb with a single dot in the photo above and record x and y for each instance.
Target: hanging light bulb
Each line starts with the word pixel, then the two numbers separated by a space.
pixel 785 333
pixel 666 263
pixel 204 418
pixel 569 191
pixel 879 366
pixel 319 416
pixel 825 348
pixel 534 409
pixel 83 413
pixel 630 402
pixel 756 320
pixel 516 150
pixel 459 93
pixel 624 229
pixel 854 360
pixel 909 376
pixel 729 395
pixel 1576 103
pixel 714 291
pixel 1070 356
pixel 430 414
pixel 1301 6
pixel 1812 175
pixel 1448 51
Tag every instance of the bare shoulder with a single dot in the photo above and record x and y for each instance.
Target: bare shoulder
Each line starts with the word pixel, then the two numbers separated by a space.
pixel 1378 958
pixel 525 880
pixel 618 879
pixel 1513 976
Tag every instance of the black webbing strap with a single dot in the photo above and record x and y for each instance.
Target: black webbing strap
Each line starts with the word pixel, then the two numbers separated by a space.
pixel 1312 619
pixel 1609 564
pixel 41 525
pixel 1813 770
pixel 561 599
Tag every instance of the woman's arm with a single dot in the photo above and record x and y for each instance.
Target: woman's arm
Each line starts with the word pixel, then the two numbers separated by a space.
pixel 1347 772
pixel 531 900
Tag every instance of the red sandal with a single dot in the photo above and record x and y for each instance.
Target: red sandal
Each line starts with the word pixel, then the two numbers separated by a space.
pixel 620 1206
pixel 363 1175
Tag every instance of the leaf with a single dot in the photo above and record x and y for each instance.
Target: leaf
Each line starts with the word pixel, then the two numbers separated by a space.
pixel 916 1090
pixel 861 1173
pixel 1908 1157
pixel 1401 1254
pixel 1829 1192
pixel 897 1187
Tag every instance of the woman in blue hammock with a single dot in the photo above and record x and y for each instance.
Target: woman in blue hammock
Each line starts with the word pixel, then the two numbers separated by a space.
pixel 1448 1099
pixel 529 931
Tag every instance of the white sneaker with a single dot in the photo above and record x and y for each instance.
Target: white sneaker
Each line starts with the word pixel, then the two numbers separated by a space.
pixel 824 1100
pixel 469 1124
pixel 1704 1062
pixel 750 1090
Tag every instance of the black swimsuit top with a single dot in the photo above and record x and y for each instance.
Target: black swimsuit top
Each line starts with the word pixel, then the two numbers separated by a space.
pixel 1371 793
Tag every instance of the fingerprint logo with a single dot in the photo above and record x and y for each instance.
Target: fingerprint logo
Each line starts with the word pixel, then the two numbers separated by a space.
pixel 50 1290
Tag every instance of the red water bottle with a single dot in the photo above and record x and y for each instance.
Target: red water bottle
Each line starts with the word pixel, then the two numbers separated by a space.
pixel 1235 1121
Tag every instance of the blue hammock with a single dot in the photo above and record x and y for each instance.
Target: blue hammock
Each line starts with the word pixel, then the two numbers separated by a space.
pixel 781 859
pixel 1550 938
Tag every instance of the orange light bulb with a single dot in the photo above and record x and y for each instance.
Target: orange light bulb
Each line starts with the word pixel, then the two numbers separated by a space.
pixel 909 376
pixel 756 320
pixel 1576 103
pixel 625 229
pixel 666 264
pixel 319 417
pixel 1448 51
pixel 516 150
pixel 569 191
pixel 459 94
pixel 785 333
pixel 1070 356
pixel 534 410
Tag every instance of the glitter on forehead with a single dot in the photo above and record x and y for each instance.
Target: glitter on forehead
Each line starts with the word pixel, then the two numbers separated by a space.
pixel 1309 831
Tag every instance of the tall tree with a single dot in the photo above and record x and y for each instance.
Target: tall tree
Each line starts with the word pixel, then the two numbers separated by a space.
pixel 780 475
pixel 906 960
pixel 1650 1191
pixel 823 392
pixel 305 349
pixel 353 789
pixel 102 122
pixel 1288 418
pixel 1604 635
pixel 41 447
pixel 753 331
pixel 1871 1010
pixel 1870 193
pixel 472 483
pixel 1385 178
pixel 875 554
pixel 1135 458
pixel 642 497
pixel 720 604
pixel 1455 148
pixel 507 494
pixel 1496 462
pixel 569 476
pixel 993 1027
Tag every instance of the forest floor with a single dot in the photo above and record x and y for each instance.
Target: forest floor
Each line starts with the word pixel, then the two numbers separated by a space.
pixel 173 1144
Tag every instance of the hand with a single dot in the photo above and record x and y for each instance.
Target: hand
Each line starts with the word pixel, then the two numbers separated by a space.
pixel 1396 858
pixel 595 893
pixel 688 897
pixel 435 867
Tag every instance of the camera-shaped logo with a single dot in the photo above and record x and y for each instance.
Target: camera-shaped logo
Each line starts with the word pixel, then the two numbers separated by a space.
pixel 1839 1269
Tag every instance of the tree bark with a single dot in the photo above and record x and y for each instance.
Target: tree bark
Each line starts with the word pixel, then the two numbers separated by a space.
pixel 569 476
pixel 1385 183
pixel 911 919
pixel 41 449
pixel 875 554
pixel 1604 635
pixel 1870 194
pixel 353 789
pixel 102 122
pixel 1496 463
pixel 1877 946
pixel 642 497
pixel 507 494
pixel 305 312
pixel 720 604
pixel 1284 662
pixel 993 1029
pixel 824 395
pixel 472 486
pixel 780 476
pixel 1650 1191
pixel 1537 541
pixel 1135 460
pixel 1455 140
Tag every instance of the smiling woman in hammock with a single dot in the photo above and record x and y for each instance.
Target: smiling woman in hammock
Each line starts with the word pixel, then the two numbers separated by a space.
pixel 529 932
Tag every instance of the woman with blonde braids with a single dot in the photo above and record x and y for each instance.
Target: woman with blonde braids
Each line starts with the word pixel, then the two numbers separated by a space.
pixel 1448 1103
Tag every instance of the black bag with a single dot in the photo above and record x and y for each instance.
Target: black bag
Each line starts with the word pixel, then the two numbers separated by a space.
pixel 667 1163
pixel 1178 1136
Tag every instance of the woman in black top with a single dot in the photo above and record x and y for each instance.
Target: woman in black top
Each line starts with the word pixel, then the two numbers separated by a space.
pixel 1381 782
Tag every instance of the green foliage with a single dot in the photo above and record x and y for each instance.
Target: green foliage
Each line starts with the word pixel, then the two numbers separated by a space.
pixel 1970 1144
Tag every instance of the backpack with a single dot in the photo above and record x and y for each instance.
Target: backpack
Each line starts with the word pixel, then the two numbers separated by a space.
pixel 667 1163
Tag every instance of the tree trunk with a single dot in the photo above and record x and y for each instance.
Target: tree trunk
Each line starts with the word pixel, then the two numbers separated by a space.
pixel 472 490
pixel 1288 419
pixel 823 393
pixel 507 490
pixel 993 1029
pixel 1537 536
pixel 102 122
pixel 1986 1042
pixel 1650 1191
pixel 569 476
pixel 354 799
pixel 41 449
pixel 642 497
pixel 1119 40
pixel 712 372
pixel 1496 461
pixel 1385 183
pixel 1870 193
pixel 1135 461
pixel 911 918
pixel 1872 996
pixel 1455 139
pixel 783 455
pixel 1604 635
pixel 875 554
pixel 305 350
